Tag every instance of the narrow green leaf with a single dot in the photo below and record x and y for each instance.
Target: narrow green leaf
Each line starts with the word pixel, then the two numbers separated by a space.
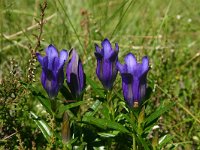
pixel 164 140
pixel 71 24
pixel 108 135
pixel 143 142
pixel 43 126
pixel 63 108
pixel 95 87
pixel 104 123
pixel 156 114
pixel 131 121
pixel 141 116
pixel 115 14
pixel 117 93
pixel 96 104
pixel 94 107
pixel 105 112
pixel 120 20
pixel 44 101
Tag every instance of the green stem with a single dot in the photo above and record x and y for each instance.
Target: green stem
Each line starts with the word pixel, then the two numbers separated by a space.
pixel 133 135
pixel 53 104
pixel 134 142
pixel 110 103
pixel 53 126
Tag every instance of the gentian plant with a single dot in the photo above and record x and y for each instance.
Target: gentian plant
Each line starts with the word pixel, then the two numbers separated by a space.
pixel 106 121
pixel 101 119
pixel 133 79
pixel 106 63
pixel 52 76
pixel 75 74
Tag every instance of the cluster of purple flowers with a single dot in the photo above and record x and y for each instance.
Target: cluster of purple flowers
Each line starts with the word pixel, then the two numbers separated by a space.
pixel 133 73
pixel 52 77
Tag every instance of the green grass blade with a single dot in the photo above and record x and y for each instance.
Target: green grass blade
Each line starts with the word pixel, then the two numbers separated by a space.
pixel 156 114
pixel 104 124
pixel 70 22
pixel 63 108
pixel 120 20
pixel 43 126
pixel 164 140
pixel 94 107
pixel 143 142
pixel 95 87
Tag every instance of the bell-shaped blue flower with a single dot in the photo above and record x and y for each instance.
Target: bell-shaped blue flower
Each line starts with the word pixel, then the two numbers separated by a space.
pixel 107 58
pixel 52 77
pixel 75 74
pixel 134 79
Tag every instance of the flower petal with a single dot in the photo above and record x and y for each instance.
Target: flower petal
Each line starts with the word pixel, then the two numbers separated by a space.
pixel 121 68
pixel 51 53
pixel 145 64
pixel 107 48
pixel 116 47
pixel 60 77
pixel 142 87
pixel 131 62
pixel 98 50
pixel 136 89
pixel 75 60
pixel 127 78
pixel 63 58
pixel 107 73
pixel 72 66
pixel 73 83
pixel 68 71
pixel 56 62
pixel 43 79
pixel 99 69
pixel 45 63
pixel 113 56
pixel 98 55
pixel 127 92
pixel 49 83
pixel 40 58
pixel 81 77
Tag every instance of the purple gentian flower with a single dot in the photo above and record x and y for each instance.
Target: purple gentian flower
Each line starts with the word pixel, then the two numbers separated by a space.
pixel 75 74
pixel 52 77
pixel 106 63
pixel 133 79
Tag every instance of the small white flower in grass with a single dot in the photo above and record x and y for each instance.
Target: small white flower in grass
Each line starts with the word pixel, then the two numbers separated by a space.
pixel 155 127
pixel 189 20
pixel 178 17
